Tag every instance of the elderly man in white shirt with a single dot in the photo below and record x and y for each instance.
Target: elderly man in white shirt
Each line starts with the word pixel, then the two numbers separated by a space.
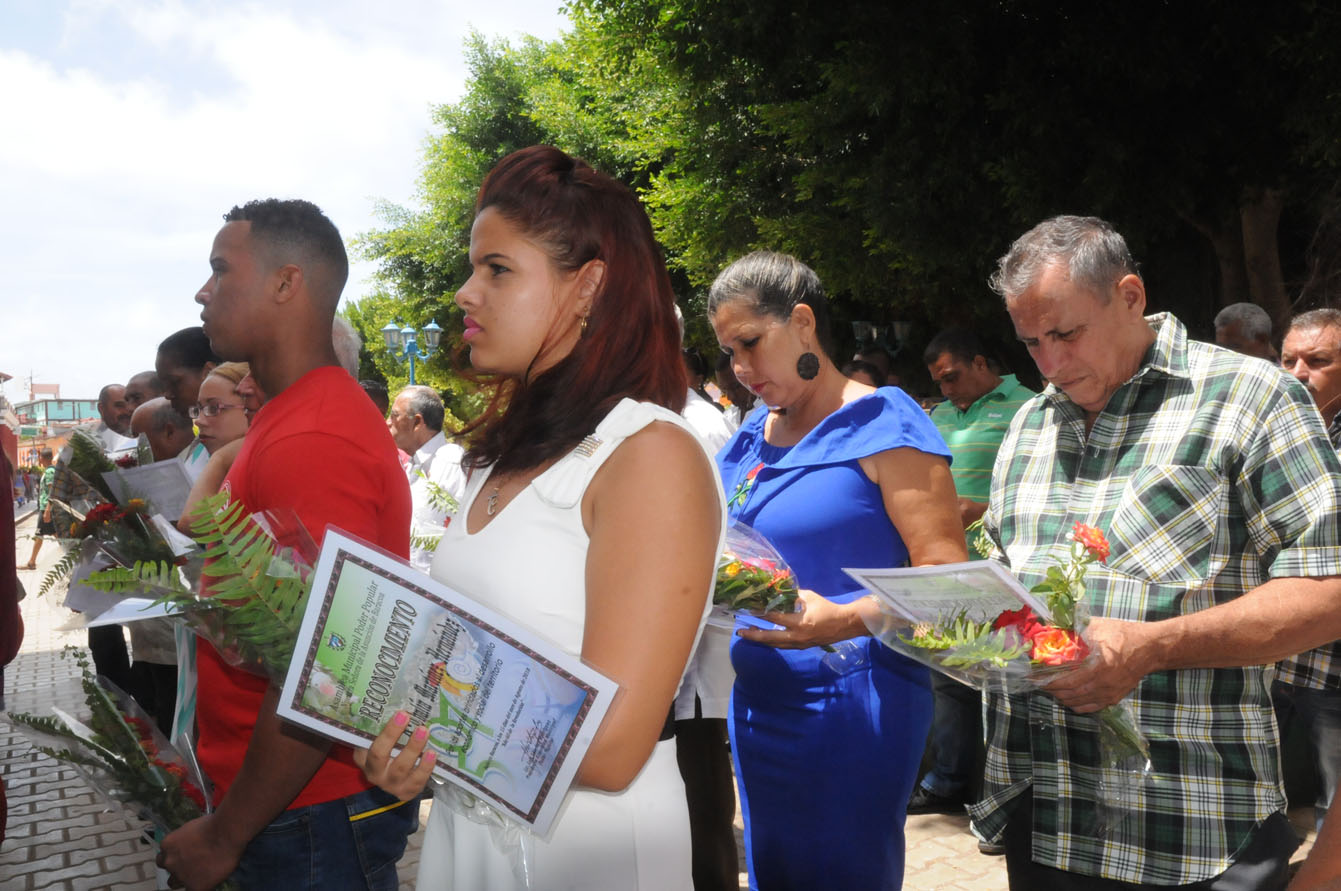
pixel 415 421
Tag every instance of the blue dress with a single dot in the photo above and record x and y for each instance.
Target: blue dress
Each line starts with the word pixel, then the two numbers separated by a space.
pixel 826 746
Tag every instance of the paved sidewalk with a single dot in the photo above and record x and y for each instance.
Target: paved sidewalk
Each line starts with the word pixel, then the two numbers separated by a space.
pixel 61 836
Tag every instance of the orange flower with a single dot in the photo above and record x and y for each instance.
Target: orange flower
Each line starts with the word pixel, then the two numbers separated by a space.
pixel 1092 540
pixel 1057 646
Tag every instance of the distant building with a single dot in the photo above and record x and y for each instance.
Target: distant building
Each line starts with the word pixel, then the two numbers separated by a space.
pixel 8 417
pixel 48 422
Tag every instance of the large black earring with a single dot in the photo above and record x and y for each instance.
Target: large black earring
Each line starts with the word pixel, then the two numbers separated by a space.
pixel 807 366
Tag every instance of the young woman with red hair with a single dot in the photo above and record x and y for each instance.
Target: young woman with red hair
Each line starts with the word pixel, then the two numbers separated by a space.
pixel 592 514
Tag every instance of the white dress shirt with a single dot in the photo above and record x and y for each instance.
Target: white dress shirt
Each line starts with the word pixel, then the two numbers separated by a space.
pixel 439 462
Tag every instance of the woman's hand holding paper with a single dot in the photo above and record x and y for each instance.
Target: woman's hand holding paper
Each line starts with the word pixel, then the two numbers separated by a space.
pixel 405 774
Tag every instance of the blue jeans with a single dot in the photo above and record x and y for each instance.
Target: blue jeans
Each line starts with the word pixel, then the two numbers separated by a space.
pixel 955 735
pixel 1320 711
pixel 351 842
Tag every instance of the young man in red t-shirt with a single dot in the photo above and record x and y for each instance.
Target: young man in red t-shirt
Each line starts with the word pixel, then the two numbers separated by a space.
pixel 293 811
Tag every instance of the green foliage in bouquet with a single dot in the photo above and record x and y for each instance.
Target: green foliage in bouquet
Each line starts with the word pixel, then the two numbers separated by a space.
pixel 439 499
pixel 256 594
pixel 757 586
pixel 973 643
pixel 121 749
pixel 64 566
pixel 982 545
pixel 89 462
pixel 123 533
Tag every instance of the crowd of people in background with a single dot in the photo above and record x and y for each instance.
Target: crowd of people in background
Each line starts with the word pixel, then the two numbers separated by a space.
pixel 607 454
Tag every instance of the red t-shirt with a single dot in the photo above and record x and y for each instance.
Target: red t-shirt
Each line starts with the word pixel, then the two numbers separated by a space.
pixel 319 448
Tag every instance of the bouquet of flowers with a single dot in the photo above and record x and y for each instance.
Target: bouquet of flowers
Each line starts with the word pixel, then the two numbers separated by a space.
pixel 752 578
pixel 1019 650
pixel 121 754
pixel 245 593
pixel 122 533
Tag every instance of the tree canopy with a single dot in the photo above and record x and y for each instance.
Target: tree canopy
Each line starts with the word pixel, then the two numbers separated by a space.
pixel 899 148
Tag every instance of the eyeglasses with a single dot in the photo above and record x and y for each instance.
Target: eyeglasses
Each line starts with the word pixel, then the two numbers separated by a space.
pixel 209 409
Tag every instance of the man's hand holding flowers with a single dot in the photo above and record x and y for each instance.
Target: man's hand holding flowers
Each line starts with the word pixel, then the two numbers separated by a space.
pixel 200 854
pixel 1120 654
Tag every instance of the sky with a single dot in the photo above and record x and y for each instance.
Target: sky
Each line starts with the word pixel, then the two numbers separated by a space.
pixel 131 126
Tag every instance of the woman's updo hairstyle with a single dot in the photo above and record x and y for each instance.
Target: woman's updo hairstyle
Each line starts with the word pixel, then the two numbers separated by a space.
pixel 773 284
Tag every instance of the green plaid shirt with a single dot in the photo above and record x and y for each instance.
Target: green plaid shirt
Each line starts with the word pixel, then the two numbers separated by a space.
pixel 1318 669
pixel 1209 474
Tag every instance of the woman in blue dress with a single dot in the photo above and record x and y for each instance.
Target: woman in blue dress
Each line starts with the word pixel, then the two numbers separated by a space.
pixel 827 725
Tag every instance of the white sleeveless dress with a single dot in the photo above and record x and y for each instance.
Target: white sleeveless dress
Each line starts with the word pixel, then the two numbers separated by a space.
pixel 529 563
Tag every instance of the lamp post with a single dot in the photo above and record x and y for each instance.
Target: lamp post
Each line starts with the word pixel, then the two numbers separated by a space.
pixel 402 342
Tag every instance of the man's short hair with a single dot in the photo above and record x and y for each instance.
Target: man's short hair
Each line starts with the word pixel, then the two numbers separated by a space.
pixel 426 402
pixel 188 348
pixel 347 344
pixel 151 382
pixel 1316 318
pixel 296 231
pixel 46 453
pixel 960 343
pixel 376 391
pixel 1095 255
pixel 1253 321
pixel 102 394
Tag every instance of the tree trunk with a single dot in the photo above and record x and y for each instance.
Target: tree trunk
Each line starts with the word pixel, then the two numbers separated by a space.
pixel 1226 237
pixel 1259 213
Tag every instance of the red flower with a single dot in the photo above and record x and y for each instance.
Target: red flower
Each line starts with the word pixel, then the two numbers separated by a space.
pixel 127 461
pixel 755 472
pixel 1057 646
pixel 103 513
pixel 193 793
pixel 1023 620
pixel 1092 540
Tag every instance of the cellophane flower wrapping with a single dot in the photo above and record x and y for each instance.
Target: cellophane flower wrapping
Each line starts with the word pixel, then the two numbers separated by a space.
pixel 94 527
pixel 122 755
pixel 752 578
pixel 244 592
pixel 1018 651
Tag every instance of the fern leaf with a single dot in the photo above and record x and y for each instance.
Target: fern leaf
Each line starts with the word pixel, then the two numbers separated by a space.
pixel 63 568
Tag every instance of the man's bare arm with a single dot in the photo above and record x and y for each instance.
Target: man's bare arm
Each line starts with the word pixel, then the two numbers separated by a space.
pixel 1277 619
pixel 280 761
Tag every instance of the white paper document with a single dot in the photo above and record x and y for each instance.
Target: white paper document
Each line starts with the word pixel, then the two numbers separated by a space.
pixel 163 485
pixel 510 713
pixel 980 589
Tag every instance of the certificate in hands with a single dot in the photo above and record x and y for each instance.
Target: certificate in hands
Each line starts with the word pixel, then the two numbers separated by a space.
pixel 509 713
pixel 979 589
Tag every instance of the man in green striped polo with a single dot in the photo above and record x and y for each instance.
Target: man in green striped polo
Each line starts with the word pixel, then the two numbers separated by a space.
pixel 978 406
pixel 973 419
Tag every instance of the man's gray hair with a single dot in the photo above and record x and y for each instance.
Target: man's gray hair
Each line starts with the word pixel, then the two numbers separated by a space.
pixel 1096 256
pixel 1316 318
pixel 163 414
pixel 1253 321
pixel 102 394
pixel 426 402
pixel 347 344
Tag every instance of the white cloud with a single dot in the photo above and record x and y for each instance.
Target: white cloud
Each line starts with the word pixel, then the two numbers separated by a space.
pixel 127 140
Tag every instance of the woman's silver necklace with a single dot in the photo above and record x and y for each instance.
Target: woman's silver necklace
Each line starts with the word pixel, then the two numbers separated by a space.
pixel 491 506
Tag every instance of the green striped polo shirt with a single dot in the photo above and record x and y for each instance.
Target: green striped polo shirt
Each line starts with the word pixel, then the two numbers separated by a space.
pixel 975 435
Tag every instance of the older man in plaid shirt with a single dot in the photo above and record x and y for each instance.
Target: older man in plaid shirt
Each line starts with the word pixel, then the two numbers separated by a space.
pixel 1220 494
pixel 1309 685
